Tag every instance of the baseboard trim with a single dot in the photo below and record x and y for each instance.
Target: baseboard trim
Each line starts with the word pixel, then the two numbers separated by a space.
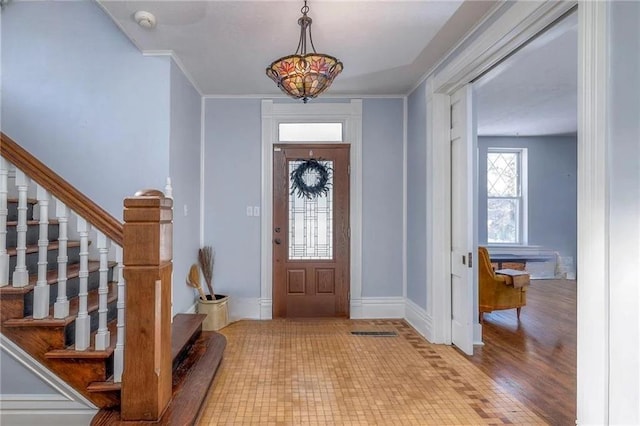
pixel 244 308
pixel 240 308
pixel 193 309
pixel 364 308
pixel 419 319
pixel 31 416
pixel 265 309
pixel 477 335
pixel 377 308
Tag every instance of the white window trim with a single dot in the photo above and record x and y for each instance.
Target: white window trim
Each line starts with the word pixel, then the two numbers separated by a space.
pixel 523 225
pixel 350 114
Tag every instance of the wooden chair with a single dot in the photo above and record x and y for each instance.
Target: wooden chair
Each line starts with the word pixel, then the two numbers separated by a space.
pixel 495 292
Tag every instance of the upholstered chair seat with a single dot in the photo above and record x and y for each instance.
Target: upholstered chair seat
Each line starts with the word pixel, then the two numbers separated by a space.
pixel 495 292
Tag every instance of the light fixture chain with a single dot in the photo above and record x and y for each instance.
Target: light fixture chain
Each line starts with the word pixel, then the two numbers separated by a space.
pixel 311 39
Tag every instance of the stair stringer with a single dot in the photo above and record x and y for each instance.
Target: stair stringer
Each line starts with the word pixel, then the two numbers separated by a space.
pixel 62 406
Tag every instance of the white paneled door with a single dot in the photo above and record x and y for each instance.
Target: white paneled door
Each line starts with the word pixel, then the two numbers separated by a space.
pixel 463 252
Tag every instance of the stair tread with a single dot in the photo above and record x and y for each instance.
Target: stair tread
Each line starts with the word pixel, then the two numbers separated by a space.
pixel 29 200
pixel 182 329
pixel 73 270
pixel 92 305
pixel 32 222
pixel 53 245
pixel 106 386
pixel 90 352
pixel 191 383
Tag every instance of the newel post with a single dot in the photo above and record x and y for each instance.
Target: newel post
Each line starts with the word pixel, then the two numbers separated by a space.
pixel 147 257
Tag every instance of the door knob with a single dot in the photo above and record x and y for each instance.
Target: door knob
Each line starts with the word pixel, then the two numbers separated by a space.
pixel 277 229
pixel 277 241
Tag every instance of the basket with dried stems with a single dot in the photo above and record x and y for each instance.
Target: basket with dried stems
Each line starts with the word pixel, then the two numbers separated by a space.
pixel 213 305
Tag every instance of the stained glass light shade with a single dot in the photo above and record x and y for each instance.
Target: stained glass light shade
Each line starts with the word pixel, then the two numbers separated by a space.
pixel 301 75
pixel 304 77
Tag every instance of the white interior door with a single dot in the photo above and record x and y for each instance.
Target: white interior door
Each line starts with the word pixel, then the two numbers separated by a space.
pixel 462 220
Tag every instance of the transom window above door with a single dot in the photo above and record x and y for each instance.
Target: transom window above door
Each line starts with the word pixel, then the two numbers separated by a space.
pixel 310 132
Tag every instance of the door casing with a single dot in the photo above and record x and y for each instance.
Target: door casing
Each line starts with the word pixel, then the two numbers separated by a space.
pixel 514 25
pixel 348 113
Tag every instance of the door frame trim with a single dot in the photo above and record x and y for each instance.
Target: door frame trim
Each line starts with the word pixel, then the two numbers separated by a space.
pixel 348 113
pixel 516 23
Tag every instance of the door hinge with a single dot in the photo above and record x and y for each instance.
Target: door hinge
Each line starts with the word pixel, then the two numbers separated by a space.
pixel 348 297
pixel 349 170
pixel 470 260
pixel 348 232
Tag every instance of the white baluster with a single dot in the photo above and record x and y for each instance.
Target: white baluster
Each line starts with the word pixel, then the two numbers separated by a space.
pixel 83 325
pixel 61 307
pixel 20 274
pixel 118 355
pixel 102 336
pixel 4 212
pixel 41 290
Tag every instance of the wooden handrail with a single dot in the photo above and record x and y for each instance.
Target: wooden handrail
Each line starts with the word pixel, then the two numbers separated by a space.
pixel 61 189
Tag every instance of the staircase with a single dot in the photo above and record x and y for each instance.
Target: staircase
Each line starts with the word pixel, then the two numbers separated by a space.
pixel 62 299
pixel 52 340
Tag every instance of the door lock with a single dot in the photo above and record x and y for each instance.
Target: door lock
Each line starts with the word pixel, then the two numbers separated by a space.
pixel 277 229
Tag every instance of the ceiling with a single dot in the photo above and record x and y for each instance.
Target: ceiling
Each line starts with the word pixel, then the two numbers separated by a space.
pixel 225 46
pixel 386 47
pixel 534 91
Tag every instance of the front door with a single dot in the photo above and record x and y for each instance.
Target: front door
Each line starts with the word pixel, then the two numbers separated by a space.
pixel 310 231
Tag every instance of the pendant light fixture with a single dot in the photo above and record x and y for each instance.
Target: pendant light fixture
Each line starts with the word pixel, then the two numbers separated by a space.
pixel 304 75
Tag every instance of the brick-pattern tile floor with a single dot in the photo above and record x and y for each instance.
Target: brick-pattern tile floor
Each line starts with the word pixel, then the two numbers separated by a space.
pixel 315 372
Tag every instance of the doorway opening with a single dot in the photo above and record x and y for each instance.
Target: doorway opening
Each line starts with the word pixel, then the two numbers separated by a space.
pixel 526 213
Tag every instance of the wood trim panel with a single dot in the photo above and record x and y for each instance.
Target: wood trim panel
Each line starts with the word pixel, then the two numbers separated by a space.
pixel 62 190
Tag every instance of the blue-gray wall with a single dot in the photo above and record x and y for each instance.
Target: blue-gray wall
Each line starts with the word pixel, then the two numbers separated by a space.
pixel 382 164
pixel 185 174
pixel 552 196
pixel 16 379
pixel 80 97
pixel 417 197
pixel 233 172
pixel 232 182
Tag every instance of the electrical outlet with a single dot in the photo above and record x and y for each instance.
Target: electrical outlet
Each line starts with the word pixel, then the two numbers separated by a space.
pixel 249 211
pixel 256 211
pixel 186 210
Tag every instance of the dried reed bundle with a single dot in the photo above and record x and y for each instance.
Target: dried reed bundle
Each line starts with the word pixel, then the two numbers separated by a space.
pixel 207 258
pixel 193 280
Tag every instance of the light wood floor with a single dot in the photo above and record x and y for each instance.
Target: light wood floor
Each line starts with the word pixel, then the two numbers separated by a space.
pixel 535 359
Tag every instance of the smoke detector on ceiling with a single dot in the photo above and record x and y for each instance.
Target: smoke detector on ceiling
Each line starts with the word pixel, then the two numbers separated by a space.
pixel 145 19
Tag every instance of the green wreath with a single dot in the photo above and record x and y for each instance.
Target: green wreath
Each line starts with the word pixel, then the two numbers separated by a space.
pixel 310 179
